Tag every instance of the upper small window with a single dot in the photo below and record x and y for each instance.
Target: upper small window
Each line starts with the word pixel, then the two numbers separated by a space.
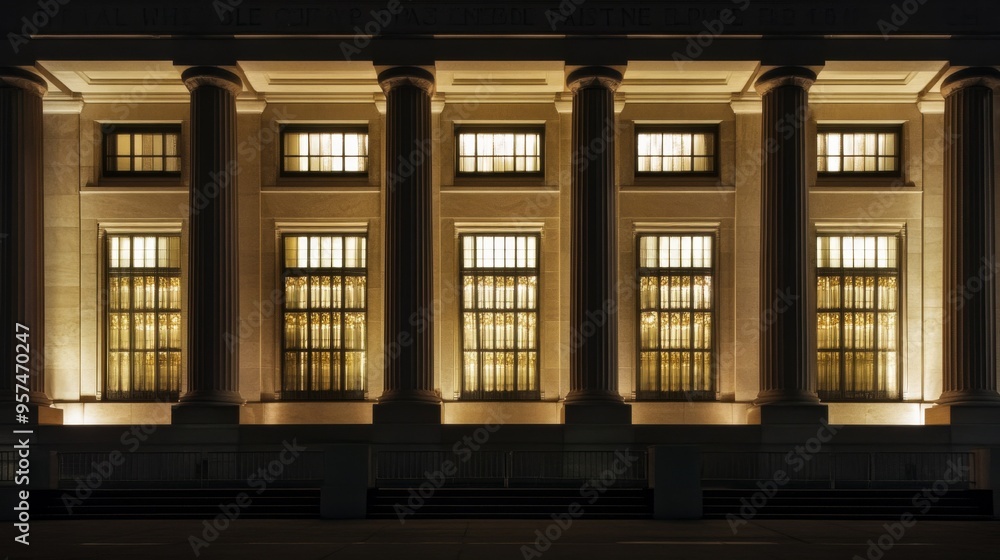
pixel 499 152
pixel 858 150
pixel 680 150
pixel 142 150
pixel 324 150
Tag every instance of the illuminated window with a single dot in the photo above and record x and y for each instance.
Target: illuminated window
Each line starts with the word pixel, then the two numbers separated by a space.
pixel 676 317
pixel 143 317
pixel 844 151
pixel 857 317
pixel 500 317
pixel 324 150
pixel 676 150
pixel 492 151
pixel 142 150
pixel 324 333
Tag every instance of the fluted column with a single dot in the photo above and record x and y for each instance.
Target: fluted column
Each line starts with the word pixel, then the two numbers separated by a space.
pixel 21 279
pixel 970 362
pixel 213 273
pixel 593 395
pixel 787 386
pixel 409 395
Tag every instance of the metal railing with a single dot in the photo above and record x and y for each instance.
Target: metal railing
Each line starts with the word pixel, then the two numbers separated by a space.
pixel 839 469
pixel 510 467
pixel 186 467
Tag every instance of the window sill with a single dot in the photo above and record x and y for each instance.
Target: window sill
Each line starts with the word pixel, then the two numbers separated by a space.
pixel 862 182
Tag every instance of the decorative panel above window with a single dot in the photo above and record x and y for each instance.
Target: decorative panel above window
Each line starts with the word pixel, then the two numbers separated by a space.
pixel 324 150
pixel 143 317
pixel 676 343
pixel 324 334
pixel 857 331
pixel 859 151
pixel 499 317
pixel 494 151
pixel 142 150
pixel 676 150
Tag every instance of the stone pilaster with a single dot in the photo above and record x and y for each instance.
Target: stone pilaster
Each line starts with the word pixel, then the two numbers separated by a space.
pixel 22 282
pixel 593 397
pixel 213 275
pixel 787 385
pixel 970 362
pixel 409 395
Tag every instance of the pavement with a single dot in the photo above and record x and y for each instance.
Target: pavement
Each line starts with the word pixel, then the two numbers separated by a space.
pixel 505 540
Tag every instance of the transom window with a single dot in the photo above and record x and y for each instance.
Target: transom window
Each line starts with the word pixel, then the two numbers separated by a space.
pixel 676 150
pixel 854 150
pixel 676 317
pixel 143 317
pixel 324 150
pixel 857 288
pixel 147 150
pixel 499 317
pixel 496 151
pixel 324 336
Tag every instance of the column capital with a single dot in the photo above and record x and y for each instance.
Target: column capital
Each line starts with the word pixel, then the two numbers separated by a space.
pixel 785 76
pixel 594 76
pixel 11 77
pixel 987 76
pixel 198 76
pixel 406 75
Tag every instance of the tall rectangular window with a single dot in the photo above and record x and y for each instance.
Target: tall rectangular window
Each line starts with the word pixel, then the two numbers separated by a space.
pixel 681 150
pixel 142 150
pixel 676 317
pixel 143 317
pixel 494 151
pixel 499 317
pixel 857 331
pixel 324 150
pixel 324 333
pixel 858 150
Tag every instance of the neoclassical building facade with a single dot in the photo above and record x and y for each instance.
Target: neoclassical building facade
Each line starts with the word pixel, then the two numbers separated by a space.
pixel 413 214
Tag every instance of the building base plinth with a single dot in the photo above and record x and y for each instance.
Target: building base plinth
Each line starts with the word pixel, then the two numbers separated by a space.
pixel 962 414
pixel 37 415
pixel 406 412
pixel 789 414
pixel 204 414
pixel 597 413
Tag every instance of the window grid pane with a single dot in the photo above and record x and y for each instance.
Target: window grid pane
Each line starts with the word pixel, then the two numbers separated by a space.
pixel 675 152
pixel 324 152
pixel 857 331
pixel 143 318
pixel 324 316
pixel 142 151
pixel 510 152
pixel 858 151
pixel 676 344
pixel 499 276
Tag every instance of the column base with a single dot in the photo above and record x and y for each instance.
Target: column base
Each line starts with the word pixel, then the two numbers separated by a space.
pixel 197 413
pixel 788 414
pixel 962 414
pixel 38 415
pixel 406 412
pixel 596 413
